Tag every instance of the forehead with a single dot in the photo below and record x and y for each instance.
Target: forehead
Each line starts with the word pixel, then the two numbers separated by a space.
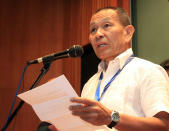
pixel 103 15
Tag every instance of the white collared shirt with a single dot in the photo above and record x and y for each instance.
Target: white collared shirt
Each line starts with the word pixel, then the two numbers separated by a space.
pixel 141 89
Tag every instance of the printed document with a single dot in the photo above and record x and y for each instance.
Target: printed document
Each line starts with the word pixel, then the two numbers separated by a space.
pixel 51 102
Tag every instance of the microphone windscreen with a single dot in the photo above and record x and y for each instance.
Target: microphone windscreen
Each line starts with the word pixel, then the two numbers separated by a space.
pixel 76 51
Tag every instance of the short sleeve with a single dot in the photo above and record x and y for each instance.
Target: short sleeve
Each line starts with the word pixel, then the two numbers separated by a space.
pixel 154 91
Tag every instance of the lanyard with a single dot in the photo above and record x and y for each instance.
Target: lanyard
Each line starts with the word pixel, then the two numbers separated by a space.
pixel 97 94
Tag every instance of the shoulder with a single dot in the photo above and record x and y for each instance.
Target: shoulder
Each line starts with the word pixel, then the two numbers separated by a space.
pixel 142 63
pixel 147 67
pixel 145 72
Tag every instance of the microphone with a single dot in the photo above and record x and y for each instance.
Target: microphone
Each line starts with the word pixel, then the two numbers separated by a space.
pixel 74 51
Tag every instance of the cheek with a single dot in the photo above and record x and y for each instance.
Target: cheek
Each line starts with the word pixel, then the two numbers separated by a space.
pixel 90 38
pixel 116 39
pixel 114 36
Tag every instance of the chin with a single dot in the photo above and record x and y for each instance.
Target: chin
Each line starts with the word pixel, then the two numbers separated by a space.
pixel 102 58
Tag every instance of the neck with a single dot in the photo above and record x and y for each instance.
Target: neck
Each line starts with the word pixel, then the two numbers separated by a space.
pixel 113 57
pixel 106 64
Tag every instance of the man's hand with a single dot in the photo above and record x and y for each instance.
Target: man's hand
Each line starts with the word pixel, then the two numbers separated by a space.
pixel 91 111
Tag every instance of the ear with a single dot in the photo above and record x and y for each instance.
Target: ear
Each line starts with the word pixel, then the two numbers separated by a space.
pixel 129 31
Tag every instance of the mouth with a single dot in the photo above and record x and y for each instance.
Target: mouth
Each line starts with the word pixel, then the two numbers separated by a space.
pixel 100 45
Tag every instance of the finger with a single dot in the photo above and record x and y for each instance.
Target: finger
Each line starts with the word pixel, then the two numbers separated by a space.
pixel 86 115
pixel 76 107
pixel 84 101
pixel 84 108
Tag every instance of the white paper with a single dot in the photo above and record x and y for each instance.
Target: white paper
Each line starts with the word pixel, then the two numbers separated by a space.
pixel 51 103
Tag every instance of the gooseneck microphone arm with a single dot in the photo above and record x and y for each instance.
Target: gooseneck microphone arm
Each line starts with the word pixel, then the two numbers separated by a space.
pixel 44 70
pixel 74 51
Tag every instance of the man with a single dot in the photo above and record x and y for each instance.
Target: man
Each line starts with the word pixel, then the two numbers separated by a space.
pixel 127 93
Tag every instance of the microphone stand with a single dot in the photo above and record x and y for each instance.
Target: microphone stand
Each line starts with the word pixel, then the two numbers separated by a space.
pixel 44 70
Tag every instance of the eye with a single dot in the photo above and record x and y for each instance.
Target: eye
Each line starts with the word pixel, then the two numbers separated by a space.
pixel 106 25
pixel 93 30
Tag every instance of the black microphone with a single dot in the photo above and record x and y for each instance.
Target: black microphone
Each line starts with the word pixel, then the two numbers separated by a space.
pixel 74 51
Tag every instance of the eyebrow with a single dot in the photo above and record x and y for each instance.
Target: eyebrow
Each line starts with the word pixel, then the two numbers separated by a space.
pixel 104 19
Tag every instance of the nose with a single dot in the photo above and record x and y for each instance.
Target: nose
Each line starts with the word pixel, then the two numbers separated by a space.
pixel 99 34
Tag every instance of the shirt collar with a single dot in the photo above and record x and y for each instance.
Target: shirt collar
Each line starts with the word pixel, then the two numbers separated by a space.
pixel 121 59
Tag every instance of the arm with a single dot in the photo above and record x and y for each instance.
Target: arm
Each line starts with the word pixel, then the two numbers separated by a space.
pixel 147 124
pixel 96 114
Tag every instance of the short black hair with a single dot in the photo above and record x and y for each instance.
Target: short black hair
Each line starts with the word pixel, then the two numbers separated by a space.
pixel 122 14
pixel 165 64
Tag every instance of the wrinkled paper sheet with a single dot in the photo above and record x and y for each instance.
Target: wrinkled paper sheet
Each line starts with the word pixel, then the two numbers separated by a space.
pixel 51 102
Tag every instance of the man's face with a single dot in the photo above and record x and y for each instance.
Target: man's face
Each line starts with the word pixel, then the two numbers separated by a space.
pixel 107 35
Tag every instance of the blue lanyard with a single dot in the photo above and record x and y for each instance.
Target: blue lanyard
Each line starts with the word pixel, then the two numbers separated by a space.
pixel 97 94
